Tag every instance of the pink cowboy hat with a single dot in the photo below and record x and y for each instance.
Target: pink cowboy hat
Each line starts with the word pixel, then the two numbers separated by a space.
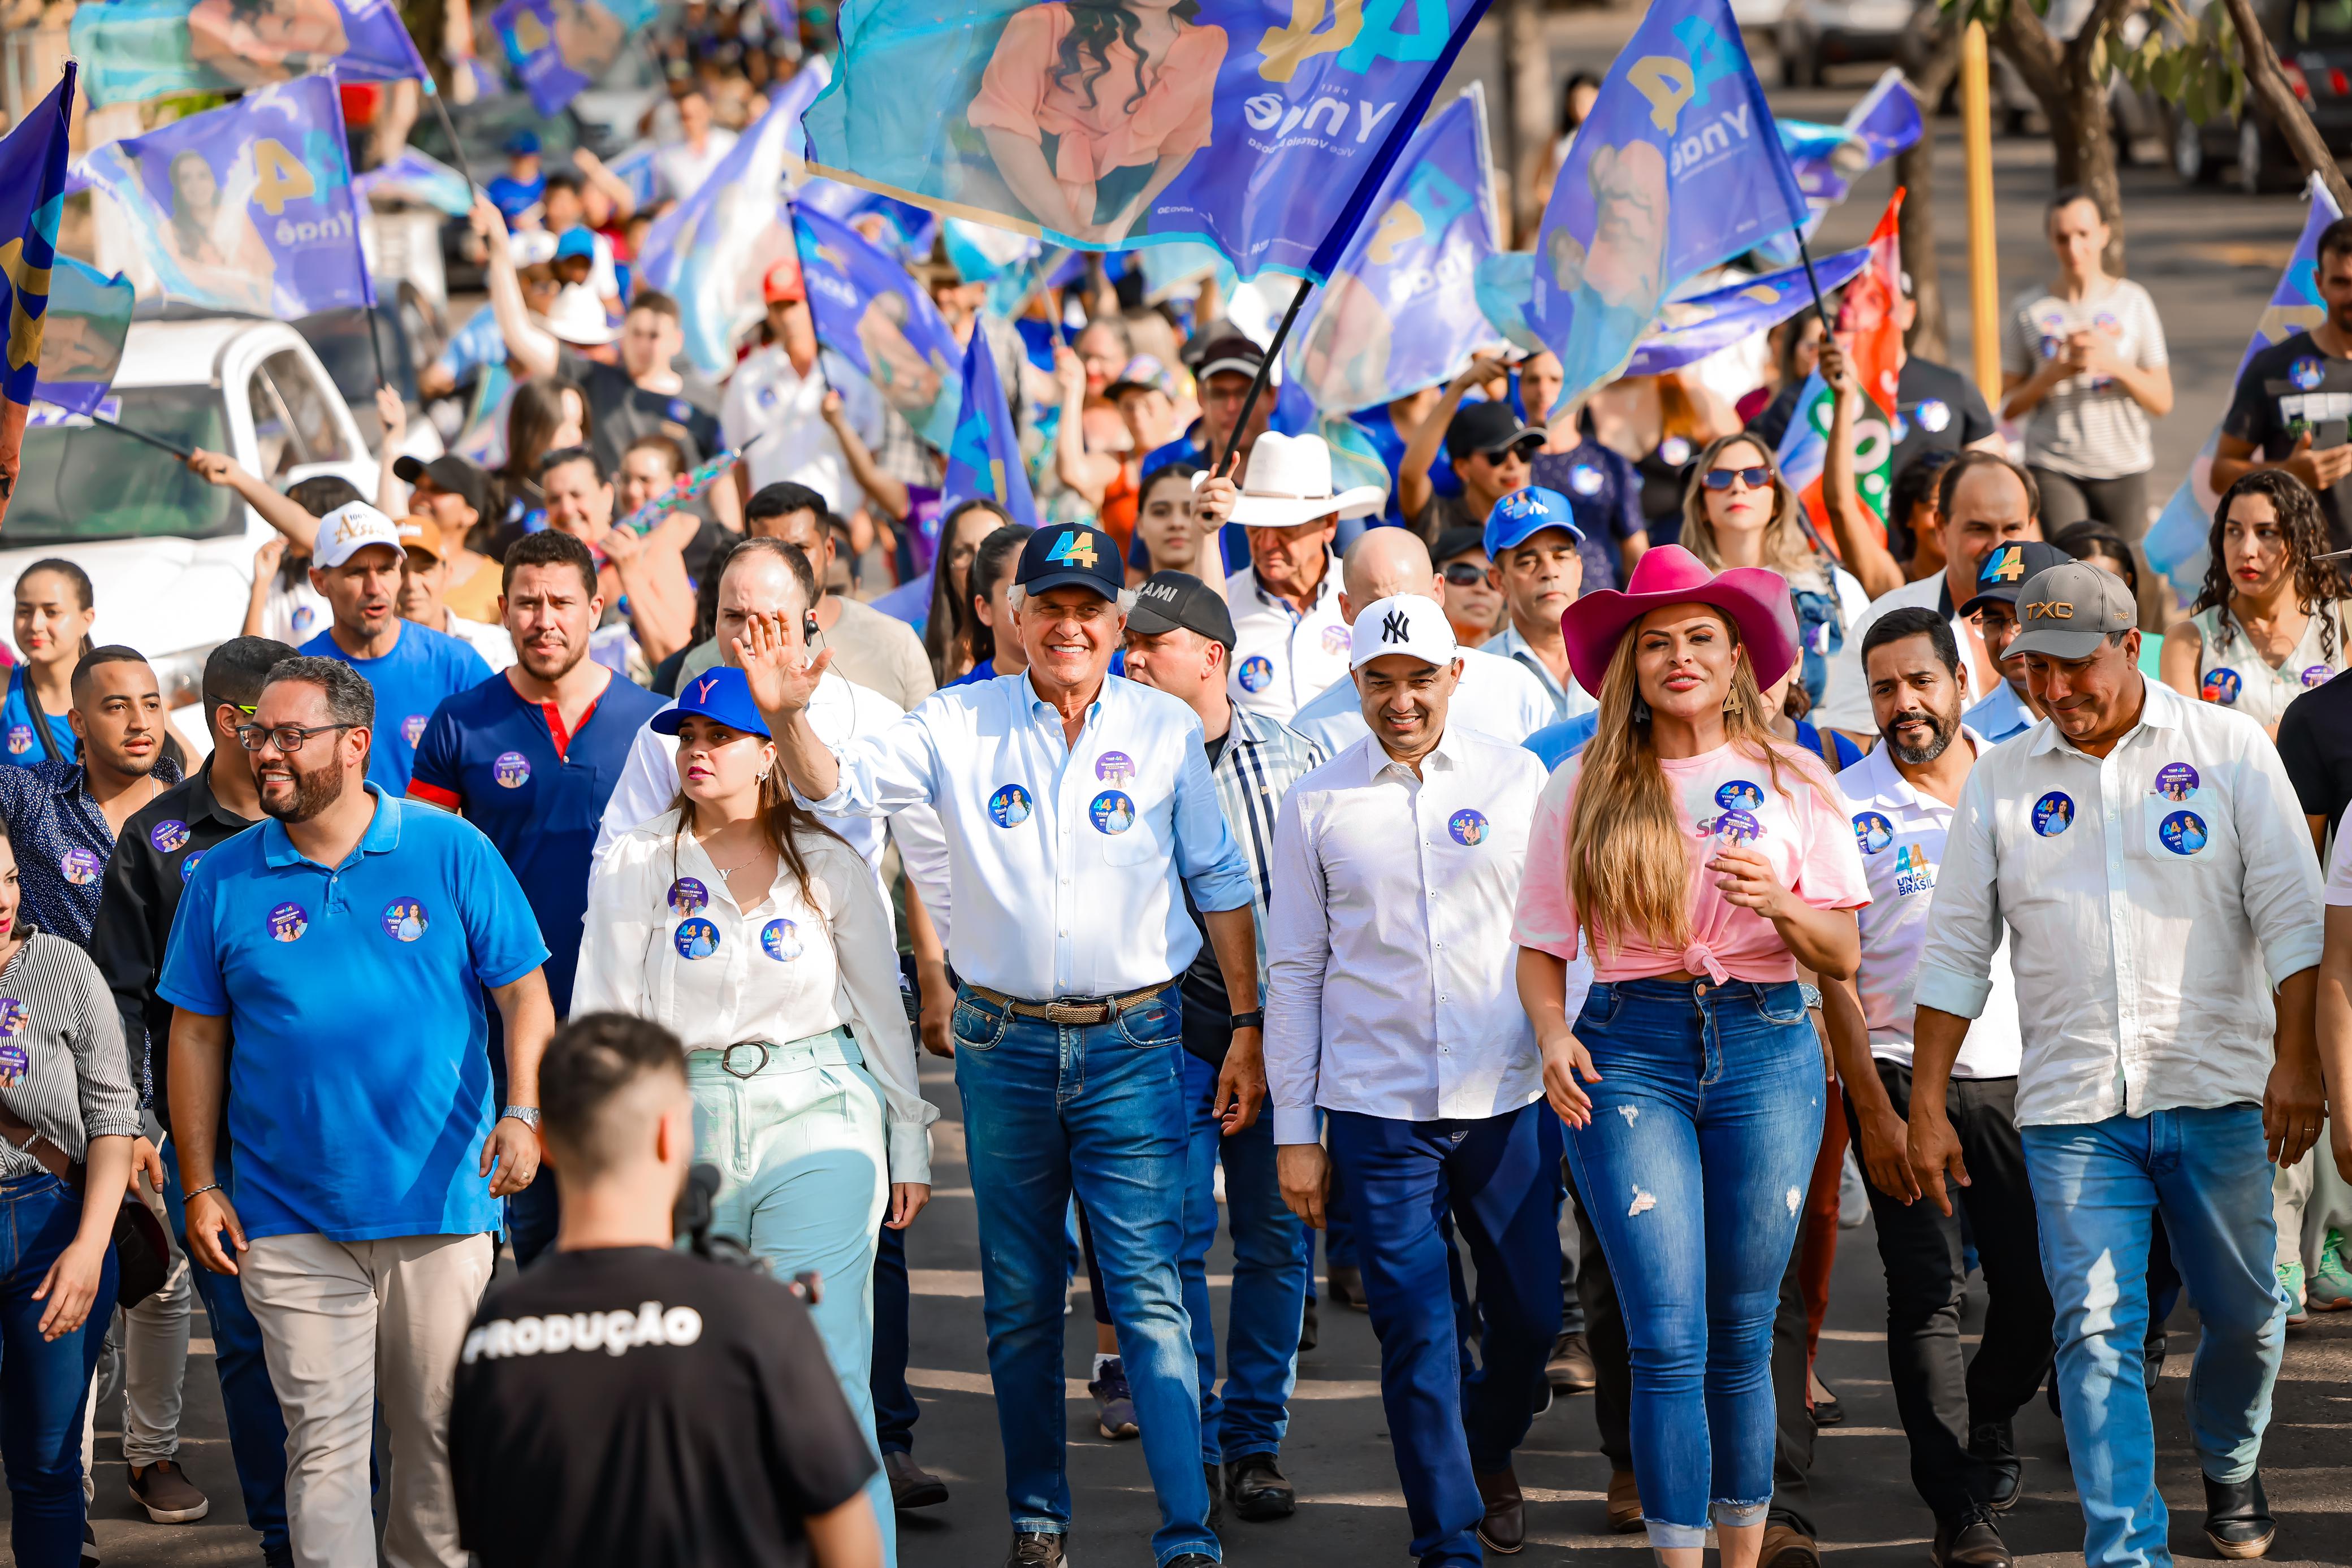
pixel 1756 599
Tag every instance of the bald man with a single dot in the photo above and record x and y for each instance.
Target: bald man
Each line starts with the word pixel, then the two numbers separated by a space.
pixel 1497 696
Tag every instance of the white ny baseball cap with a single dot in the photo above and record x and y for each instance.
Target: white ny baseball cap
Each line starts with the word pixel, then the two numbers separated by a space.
pixel 1404 624
pixel 351 529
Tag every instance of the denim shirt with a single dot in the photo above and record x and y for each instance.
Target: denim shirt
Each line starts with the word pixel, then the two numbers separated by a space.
pixel 62 841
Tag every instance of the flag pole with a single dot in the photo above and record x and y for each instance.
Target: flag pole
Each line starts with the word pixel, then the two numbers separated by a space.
pixel 1812 278
pixel 449 129
pixel 1264 370
pixel 182 453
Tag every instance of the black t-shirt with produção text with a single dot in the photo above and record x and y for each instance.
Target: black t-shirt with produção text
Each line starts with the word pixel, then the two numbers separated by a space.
pixel 2290 389
pixel 641 1406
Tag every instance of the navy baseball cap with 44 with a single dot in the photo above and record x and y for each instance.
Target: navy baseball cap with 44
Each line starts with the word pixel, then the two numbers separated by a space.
pixel 1069 555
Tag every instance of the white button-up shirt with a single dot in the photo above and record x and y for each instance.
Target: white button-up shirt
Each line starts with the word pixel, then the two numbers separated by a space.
pixel 1064 860
pixel 766 397
pixel 2146 893
pixel 1495 696
pixel 1567 702
pixel 1901 835
pixel 1392 986
pixel 1280 657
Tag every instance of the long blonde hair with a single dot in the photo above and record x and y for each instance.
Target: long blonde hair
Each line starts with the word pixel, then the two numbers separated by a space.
pixel 1628 862
pixel 1787 549
pixel 784 822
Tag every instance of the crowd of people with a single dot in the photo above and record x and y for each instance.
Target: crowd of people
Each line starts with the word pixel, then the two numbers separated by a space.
pixel 1574 857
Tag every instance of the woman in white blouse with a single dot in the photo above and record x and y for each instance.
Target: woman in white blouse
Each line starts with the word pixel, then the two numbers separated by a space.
pixel 739 921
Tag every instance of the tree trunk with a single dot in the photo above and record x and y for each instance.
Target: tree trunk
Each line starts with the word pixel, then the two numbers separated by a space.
pixel 1929 54
pixel 1527 78
pixel 2075 102
pixel 2268 83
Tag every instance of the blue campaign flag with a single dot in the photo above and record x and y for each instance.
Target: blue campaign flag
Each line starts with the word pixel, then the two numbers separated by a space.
pixel 867 310
pixel 31 199
pixel 560 48
pixel 138 49
pixel 1678 168
pixel 1828 159
pixel 82 335
pixel 246 208
pixel 710 252
pixel 1262 128
pixel 1399 311
pixel 1688 329
pixel 985 454
pixel 416 178
pixel 896 227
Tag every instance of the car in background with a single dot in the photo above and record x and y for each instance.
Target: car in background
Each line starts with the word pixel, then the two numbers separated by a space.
pixel 1811 34
pixel 2314 40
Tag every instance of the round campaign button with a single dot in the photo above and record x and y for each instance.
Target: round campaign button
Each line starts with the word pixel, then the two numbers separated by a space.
pixel 1673 451
pixel 1740 827
pixel 1336 639
pixel 1111 812
pixel 1935 415
pixel 512 770
pixel 2176 782
pixel 687 895
pixel 1468 828
pixel 403 919
pixel 1114 768
pixel 20 739
pixel 82 866
pixel 167 837
pixel 412 729
pixel 188 866
pixel 1009 807
pixel 306 620
pixel 2316 675
pixel 696 938
pixel 287 922
pixel 2307 374
pixel 1873 833
pixel 1586 479
pixel 2182 832
pixel 2219 686
pixel 2054 814
pixel 14 1061
pixel 1256 673
pixel 781 940
pixel 14 1016
pixel 1741 795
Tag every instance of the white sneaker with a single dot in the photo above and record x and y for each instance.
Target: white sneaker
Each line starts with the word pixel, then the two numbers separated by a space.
pixel 1853 1199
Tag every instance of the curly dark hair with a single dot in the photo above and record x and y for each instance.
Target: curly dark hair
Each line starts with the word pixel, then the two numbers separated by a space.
pixel 1086 47
pixel 2318 584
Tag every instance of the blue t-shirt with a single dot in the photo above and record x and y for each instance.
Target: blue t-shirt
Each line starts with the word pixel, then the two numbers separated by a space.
pixel 424 669
pixel 515 198
pixel 498 757
pixel 1390 442
pixel 359 1094
pixel 29 734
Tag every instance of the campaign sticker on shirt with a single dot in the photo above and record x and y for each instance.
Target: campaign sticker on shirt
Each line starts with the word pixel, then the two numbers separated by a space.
pixel 413 728
pixel 1111 812
pixel 1256 673
pixel 167 837
pixel 287 922
pixel 1586 479
pixel 1468 828
pixel 679 410
pixel 1336 639
pixel 1673 451
pixel 20 739
pixel 1913 871
pixel 14 1062
pixel 696 938
pixel 2054 814
pixel 82 866
pixel 2183 833
pixel 2176 782
pixel 1009 807
pixel 403 919
pixel 687 895
pixel 1114 768
pixel 2307 374
pixel 512 770
pixel 1740 827
pixel 306 620
pixel 1935 415
pixel 1873 833
pixel 2219 686
pixel 188 866
pixel 781 940
pixel 1741 795
pixel 2316 675
pixel 14 1016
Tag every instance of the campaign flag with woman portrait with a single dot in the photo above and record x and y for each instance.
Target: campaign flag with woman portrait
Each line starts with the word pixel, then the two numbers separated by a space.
pixel 562 47
pixel 82 335
pixel 1678 167
pixel 867 309
pixel 244 209
pixel 1399 311
pixel 1262 128
pixel 139 49
pixel 31 199
pixel 984 455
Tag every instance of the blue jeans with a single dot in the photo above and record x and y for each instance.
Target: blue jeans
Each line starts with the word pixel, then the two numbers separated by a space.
pixel 1251 1414
pixel 1099 1107
pixel 1499 1179
pixel 2096 1188
pixel 42 1381
pixel 1704 1126
pixel 256 1427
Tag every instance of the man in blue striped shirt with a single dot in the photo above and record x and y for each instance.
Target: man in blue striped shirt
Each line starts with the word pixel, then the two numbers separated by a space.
pixel 1179 639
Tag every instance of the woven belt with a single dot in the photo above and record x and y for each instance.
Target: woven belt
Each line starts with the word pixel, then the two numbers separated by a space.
pixel 1071 1010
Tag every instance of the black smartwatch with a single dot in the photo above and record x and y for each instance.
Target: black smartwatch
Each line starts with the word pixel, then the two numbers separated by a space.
pixel 1253 1019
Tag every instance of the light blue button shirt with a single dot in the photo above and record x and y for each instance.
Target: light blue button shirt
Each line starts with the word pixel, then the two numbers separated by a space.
pixel 1567 701
pixel 1064 859
pixel 2001 715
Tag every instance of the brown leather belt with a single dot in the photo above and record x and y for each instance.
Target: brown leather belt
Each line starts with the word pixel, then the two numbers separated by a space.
pixel 1100 1009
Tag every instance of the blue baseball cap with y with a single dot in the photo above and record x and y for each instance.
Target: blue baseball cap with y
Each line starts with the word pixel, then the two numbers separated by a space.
pixel 721 694
pixel 1068 554
pixel 1523 514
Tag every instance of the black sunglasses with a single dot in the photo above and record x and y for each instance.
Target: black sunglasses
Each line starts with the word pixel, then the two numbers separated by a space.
pixel 1465 573
pixel 1721 478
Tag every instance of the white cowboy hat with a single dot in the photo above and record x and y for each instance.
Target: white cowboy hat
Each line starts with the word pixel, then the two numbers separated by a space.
pixel 577 317
pixel 1289 482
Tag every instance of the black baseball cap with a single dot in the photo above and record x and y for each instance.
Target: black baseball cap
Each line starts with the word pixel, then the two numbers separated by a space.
pixel 2006 570
pixel 1486 427
pixel 454 474
pixel 1167 600
pixel 1228 353
pixel 1456 542
pixel 1071 554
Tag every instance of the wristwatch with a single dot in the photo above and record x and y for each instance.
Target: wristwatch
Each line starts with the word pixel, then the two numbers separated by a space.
pixel 1253 1019
pixel 527 1114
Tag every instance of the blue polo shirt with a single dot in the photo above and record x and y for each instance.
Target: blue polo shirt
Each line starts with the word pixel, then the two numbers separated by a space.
pixel 536 791
pixel 27 734
pixel 424 669
pixel 359 1094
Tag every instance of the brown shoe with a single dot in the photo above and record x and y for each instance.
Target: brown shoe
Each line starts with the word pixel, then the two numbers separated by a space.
pixel 1505 1528
pixel 1571 1368
pixel 1785 1547
pixel 167 1493
pixel 1624 1503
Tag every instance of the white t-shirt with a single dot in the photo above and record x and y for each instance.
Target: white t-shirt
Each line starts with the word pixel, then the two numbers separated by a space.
pixel 767 395
pixel 679 173
pixel 2087 426
pixel 492 642
pixel 295 615
pixel 2339 863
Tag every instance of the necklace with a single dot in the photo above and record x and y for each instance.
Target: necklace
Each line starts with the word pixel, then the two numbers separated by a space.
pixel 743 864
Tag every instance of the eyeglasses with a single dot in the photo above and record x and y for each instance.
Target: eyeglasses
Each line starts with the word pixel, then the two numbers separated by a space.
pixel 286 737
pixel 1753 478
pixel 1465 573
pixel 245 708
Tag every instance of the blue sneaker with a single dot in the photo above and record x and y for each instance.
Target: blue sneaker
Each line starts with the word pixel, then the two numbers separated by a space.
pixel 1114 1403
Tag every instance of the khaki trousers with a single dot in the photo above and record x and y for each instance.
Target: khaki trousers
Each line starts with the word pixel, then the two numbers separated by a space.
pixel 343 1324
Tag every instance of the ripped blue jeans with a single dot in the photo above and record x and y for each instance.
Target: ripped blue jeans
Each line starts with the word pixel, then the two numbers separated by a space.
pixel 1705 1125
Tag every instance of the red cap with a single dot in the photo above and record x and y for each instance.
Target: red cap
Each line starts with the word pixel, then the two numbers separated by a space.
pixel 783 282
